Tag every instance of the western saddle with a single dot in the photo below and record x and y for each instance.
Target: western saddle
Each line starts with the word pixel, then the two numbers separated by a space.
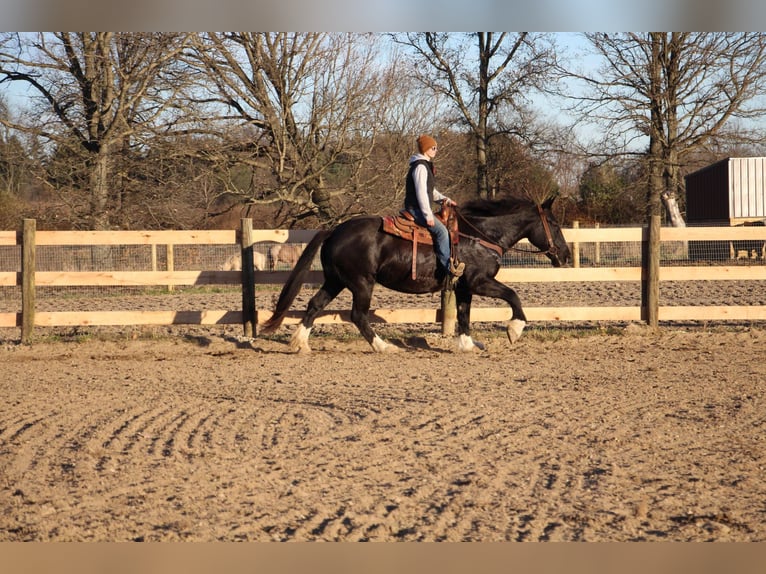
pixel 404 225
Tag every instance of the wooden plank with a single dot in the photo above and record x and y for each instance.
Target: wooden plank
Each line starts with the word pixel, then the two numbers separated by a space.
pixel 715 273
pixel 390 316
pixel 10 319
pixel 512 275
pixel 506 275
pixel 614 234
pixel 283 235
pixel 135 278
pixel 478 315
pixel 280 277
pixel 556 274
pixel 9 278
pixel 9 238
pixel 192 237
pixel 490 314
pixel 601 234
pixel 271 235
pixel 713 313
pixel 711 233
pixel 160 237
pixel 229 236
pixel 104 318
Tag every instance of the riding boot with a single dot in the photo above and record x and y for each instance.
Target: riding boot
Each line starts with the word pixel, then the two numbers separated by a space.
pixel 456 268
pixel 455 271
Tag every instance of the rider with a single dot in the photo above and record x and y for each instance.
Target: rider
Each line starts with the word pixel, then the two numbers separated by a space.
pixel 421 194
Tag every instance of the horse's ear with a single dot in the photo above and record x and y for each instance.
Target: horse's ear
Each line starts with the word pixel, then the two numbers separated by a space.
pixel 548 202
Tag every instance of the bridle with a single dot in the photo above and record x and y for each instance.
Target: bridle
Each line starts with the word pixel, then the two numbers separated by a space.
pixel 487 242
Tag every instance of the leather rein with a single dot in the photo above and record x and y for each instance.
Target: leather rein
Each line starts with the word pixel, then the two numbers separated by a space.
pixel 489 244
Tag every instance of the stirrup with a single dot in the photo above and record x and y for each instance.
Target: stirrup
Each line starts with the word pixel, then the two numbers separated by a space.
pixel 456 269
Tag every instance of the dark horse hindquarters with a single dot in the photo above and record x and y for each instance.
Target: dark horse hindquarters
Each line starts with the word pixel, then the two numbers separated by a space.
pixel 357 254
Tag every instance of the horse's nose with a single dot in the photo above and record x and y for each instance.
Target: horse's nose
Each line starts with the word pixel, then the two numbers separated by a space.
pixel 564 259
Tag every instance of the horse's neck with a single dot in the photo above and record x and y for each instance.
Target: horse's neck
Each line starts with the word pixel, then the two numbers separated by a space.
pixel 505 234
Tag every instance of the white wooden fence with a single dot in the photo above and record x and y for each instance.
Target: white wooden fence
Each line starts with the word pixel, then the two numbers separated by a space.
pixel 29 278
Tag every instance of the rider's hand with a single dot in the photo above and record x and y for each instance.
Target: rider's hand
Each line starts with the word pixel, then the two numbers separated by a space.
pixel 430 221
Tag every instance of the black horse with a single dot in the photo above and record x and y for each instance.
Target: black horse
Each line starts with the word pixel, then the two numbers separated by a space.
pixel 358 253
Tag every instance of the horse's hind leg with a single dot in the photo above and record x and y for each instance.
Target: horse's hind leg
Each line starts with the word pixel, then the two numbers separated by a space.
pixel 463 300
pixel 299 342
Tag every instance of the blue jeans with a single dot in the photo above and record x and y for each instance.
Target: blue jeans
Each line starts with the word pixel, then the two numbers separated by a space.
pixel 440 235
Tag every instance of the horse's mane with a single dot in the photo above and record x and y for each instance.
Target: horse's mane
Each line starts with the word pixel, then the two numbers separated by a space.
pixel 493 207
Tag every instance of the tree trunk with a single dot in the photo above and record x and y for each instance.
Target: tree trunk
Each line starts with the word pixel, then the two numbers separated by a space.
pixel 99 189
pixel 482 182
pixel 670 192
pixel 321 198
pixel 674 211
pixel 672 64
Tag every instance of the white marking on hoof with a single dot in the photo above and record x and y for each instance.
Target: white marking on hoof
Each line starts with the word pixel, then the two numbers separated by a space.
pixel 465 343
pixel 514 329
pixel 299 343
pixel 380 346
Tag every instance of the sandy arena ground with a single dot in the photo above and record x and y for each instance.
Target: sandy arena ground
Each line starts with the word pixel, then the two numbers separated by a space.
pixel 608 433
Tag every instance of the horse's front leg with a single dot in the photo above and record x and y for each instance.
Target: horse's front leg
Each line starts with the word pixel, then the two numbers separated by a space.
pixel 493 288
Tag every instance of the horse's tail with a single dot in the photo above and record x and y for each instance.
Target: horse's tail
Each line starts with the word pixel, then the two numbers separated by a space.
pixel 294 282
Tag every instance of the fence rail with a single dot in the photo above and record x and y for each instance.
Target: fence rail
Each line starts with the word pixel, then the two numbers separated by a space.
pixel 590 246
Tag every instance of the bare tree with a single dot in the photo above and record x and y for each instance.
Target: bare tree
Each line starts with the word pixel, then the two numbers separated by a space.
pixel 488 78
pixel 12 173
pixel 11 157
pixel 682 91
pixel 303 110
pixel 98 93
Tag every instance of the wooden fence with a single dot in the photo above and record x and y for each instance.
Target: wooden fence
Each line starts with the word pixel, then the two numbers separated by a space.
pixel 29 278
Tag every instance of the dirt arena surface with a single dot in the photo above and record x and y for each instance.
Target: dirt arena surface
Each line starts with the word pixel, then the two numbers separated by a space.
pixel 611 433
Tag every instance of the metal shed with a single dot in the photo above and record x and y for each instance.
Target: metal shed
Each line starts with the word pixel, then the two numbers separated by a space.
pixel 729 192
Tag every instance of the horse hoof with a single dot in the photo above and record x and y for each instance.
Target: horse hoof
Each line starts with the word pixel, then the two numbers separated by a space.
pixel 299 343
pixel 514 329
pixel 466 344
pixel 300 347
pixel 380 346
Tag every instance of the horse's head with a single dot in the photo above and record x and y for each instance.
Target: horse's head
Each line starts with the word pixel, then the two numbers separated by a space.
pixel 546 235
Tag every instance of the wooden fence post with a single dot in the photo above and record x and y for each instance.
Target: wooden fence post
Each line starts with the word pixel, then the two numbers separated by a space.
pixel 576 247
pixel 249 322
pixel 449 312
pixel 169 256
pixel 597 249
pixel 28 268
